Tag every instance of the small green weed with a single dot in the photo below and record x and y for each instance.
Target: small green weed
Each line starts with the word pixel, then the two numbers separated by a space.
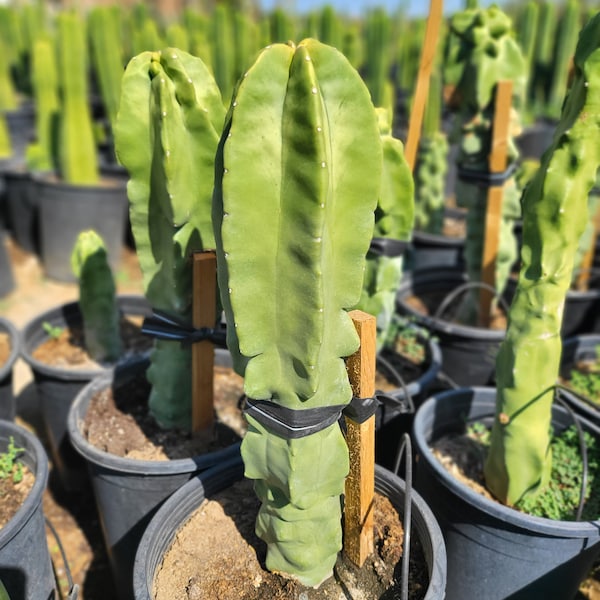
pixel 407 338
pixel 586 382
pixel 53 331
pixel 9 466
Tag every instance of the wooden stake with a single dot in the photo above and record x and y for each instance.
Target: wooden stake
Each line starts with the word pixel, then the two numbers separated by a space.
pixel 360 437
pixel 498 161
pixel 583 278
pixel 432 33
pixel 204 309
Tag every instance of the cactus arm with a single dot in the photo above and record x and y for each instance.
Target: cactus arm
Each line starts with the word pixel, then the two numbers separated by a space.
pixel 555 214
pixel 295 164
pixel 166 136
pixel 5 142
pixel 97 297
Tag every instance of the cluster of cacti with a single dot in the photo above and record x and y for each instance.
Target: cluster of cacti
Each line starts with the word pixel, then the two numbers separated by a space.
pixel 555 213
pixel 44 80
pixel 286 291
pixel 394 217
pixel 77 151
pixel 97 297
pixel 432 164
pixel 480 52
pixel 166 135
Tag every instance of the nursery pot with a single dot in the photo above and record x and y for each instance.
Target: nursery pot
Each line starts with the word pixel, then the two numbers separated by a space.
pixel 536 139
pixel 25 564
pixel 174 513
pixel 21 127
pixel 22 208
pixel 582 309
pixel 7 398
pixel 468 353
pixel 7 280
pixel 495 552
pixel 57 386
pixel 575 349
pixel 129 491
pixel 65 210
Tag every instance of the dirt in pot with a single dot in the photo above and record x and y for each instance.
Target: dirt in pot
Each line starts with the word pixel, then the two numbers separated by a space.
pixel 5 348
pixel 66 345
pixel 216 554
pixel 16 481
pixel 119 422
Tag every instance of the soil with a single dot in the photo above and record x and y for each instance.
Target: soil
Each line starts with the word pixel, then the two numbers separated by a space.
pixel 232 558
pixel 13 494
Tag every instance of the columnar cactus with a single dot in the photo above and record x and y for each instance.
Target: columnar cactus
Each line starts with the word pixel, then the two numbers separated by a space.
pixel 44 79
pixel 97 297
pixel 378 30
pixel 555 212
pixel 393 220
pixel 166 135
pixel 223 53
pixel 5 141
pixel 543 54
pixel 481 51
pixel 77 152
pixel 299 162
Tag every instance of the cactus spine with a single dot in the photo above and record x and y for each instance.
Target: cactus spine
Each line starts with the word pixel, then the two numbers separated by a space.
pixel 166 135
pixel 555 213
pixel 77 154
pixel 310 188
pixel 97 297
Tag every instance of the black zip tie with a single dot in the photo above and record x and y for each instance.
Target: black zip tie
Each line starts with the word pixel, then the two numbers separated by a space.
pixel 486 178
pixel 361 409
pixel 73 587
pixel 166 327
pixel 388 247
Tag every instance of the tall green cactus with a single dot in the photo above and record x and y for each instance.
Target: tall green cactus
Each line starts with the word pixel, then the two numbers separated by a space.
pixel 223 54
pixel 97 297
pixel 393 220
pixel 378 29
pixel 77 152
pixel 44 80
pixel 555 213
pixel 8 92
pixel 166 135
pixel 299 162
pixel 481 51
pixel 5 141
pixel 543 55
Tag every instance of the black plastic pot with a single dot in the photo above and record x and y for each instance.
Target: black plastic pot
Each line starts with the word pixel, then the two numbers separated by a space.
pixel 575 349
pixel 7 279
pixel 536 139
pixel 495 552
pixel 25 564
pixel 21 127
pixel 22 208
pixel 582 310
pixel 468 353
pixel 173 514
pixel 129 491
pixel 56 386
pixel 65 210
pixel 7 398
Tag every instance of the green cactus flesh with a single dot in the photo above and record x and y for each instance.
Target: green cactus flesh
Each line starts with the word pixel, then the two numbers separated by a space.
pixel 297 182
pixel 555 212
pixel 97 300
pixel 166 135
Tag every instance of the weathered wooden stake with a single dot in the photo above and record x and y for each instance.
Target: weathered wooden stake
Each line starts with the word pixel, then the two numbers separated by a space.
pixel 204 309
pixel 360 437
pixel 498 161
pixel 432 34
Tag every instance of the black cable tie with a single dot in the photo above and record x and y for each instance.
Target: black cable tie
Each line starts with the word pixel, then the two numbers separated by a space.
pixel 388 247
pixel 166 327
pixel 361 409
pixel 292 423
pixel 485 178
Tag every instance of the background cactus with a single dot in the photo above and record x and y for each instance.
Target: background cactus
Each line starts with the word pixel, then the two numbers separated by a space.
pixel 166 135
pixel 555 213
pixel 299 162
pixel 77 153
pixel 97 297
pixel 481 51
pixel 377 32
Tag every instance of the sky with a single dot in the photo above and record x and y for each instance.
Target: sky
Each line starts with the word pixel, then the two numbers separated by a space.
pixel 357 7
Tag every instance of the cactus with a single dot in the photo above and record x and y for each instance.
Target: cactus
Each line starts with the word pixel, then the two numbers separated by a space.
pixel 5 141
pixel 431 165
pixel 527 25
pixel 393 219
pixel 97 297
pixel 197 26
pixel 77 153
pixel 166 135
pixel 107 54
pixel 281 27
pixel 246 42
pixel 44 79
pixel 481 51
pixel 543 55
pixel 299 162
pixel 177 37
pixel 223 55
pixel 8 92
pixel 378 30
pixel 555 213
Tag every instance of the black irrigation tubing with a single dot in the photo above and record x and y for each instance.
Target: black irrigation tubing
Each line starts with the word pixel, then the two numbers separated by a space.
pixel 73 587
pixel 399 380
pixel 405 449
pixel 463 288
pixel 582 447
